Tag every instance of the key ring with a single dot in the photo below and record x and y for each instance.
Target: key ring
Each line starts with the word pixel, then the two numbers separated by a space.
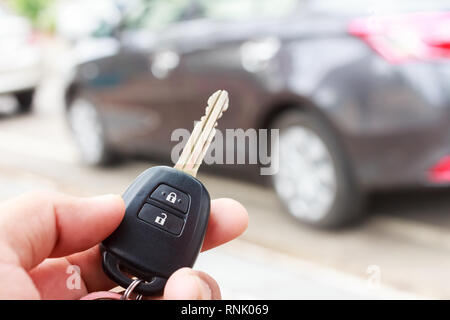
pixel 129 290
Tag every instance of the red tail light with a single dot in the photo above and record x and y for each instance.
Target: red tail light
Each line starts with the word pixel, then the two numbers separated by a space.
pixel 440 172
pixel 401 38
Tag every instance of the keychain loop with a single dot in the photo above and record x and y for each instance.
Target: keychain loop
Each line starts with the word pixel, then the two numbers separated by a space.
pixel 129 290
pixel 150 285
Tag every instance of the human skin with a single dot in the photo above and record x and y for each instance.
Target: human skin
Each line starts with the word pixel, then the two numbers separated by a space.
pixel 43 233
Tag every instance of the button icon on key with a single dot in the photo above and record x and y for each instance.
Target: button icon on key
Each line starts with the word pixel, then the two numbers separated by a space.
pixel 172 197
pixel 161 220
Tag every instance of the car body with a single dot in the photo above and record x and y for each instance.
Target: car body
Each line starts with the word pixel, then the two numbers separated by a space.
pixel 21 67
pixel 389 116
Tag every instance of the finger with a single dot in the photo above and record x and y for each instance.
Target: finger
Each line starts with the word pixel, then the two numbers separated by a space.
pixel 16 284
pixel 227 221
pixel 90 264
pixel 57 278
pixel 43 224
pixel 188 284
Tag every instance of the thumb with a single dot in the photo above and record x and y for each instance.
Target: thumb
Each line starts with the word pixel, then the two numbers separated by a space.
pixel 188 284
pixel 39 225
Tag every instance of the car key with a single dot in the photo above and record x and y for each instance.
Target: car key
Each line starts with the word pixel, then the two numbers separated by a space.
pixel 167 213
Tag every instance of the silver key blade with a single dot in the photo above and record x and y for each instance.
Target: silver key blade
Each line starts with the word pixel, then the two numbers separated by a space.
pixel 195 135
pixel 203 133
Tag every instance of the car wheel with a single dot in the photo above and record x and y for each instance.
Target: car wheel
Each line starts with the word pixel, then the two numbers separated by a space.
pixel 314 180
pixel 89 132
pixel 25 100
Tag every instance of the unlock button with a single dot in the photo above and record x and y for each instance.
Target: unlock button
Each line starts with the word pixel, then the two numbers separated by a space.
pixel 161 219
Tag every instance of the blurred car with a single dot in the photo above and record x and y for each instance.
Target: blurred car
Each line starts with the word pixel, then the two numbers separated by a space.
pixel 360 91
pixel 20 60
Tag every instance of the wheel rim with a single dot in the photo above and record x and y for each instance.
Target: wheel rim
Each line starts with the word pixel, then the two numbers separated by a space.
pixel 87 129
pixel 306 180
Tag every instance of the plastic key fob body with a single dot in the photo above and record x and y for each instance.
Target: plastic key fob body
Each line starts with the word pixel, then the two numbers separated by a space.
pixel 167 213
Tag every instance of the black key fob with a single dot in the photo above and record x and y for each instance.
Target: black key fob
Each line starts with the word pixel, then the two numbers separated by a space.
pixel 167 213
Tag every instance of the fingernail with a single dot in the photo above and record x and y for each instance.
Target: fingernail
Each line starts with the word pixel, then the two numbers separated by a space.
pixel 204 291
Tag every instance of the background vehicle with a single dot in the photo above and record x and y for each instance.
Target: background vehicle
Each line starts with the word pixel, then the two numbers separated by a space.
pixel 361 98
pixel 20 61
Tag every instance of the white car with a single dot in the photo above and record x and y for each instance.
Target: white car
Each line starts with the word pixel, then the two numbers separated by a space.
pixel 21 66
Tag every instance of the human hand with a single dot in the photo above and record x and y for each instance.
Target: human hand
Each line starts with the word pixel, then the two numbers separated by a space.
pixel 43 233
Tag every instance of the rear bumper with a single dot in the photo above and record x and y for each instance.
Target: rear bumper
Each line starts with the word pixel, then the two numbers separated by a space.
pixel 20 79
pixel 402 159
pixel 21 69
pixel 404 129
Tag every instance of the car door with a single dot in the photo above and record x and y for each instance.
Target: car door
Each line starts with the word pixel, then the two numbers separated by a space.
pixel 151 91
pixel 206 46
pixel 219 47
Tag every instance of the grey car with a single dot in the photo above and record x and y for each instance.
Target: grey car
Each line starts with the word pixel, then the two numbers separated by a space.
pixel 359 90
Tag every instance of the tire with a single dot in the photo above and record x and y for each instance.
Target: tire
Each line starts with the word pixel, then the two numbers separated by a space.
pixel 314 181
pixel 25 100
pixel 89 133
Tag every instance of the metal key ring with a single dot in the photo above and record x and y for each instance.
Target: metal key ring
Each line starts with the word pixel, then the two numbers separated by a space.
pixel 130 289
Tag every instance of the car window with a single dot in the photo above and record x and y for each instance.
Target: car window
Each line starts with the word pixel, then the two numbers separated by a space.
pixel 245 9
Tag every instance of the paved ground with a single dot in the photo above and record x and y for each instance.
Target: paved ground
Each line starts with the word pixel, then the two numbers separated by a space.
pixel 406 235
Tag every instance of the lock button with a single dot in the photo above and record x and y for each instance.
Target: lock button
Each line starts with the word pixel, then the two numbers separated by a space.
pixel 161 219
pixel 172 197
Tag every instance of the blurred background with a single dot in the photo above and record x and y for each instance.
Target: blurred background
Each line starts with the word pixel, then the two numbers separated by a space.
pixel 90 92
